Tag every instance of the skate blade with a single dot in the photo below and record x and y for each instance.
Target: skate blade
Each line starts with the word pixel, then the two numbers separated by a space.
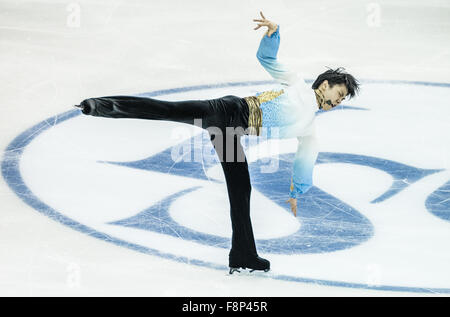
pixel 237 269
pixel 265 270
pixel 234 269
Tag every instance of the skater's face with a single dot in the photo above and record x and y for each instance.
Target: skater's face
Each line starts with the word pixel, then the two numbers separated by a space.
pixel 333 96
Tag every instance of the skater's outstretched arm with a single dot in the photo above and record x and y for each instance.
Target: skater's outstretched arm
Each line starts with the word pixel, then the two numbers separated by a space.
pixel 267 53
pixel 304 160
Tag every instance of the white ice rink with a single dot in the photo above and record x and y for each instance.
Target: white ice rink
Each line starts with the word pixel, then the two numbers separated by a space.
pixel 94 206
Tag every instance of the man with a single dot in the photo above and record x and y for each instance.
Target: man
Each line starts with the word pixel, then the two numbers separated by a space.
pixel 284 113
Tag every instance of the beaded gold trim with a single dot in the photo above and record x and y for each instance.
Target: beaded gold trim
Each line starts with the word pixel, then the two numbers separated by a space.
pixel 269 95
pixel 254 116
pixel 255 112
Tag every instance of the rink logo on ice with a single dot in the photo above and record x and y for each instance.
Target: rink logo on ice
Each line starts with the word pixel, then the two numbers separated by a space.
pixel 116 180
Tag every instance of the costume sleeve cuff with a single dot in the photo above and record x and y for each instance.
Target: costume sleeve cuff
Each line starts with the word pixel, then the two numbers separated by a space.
pixel 293 194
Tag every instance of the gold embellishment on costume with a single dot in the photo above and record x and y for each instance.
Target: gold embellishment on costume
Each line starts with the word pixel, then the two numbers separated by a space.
pixel 269 95
pixel 255 112
pixel 254 116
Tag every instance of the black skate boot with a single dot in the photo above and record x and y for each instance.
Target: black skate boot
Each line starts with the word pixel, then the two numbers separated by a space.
pixel 86 106
pixel 254 263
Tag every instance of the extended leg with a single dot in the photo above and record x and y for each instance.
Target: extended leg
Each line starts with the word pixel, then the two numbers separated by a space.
pixel 146 108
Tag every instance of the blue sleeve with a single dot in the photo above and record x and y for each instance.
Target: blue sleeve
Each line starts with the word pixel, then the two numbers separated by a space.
pixel 304 161
pixel 267 56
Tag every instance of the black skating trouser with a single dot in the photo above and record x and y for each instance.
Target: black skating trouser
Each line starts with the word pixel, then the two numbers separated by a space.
pixel 217 115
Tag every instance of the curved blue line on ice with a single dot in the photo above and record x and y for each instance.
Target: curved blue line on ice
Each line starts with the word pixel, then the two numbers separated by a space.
pixel 11 174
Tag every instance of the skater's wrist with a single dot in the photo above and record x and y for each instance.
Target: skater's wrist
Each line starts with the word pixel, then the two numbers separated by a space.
pixel 273 28
pixel 293 194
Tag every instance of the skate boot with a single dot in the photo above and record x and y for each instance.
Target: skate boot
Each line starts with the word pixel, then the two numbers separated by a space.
pixel 254 263
pixel 86 106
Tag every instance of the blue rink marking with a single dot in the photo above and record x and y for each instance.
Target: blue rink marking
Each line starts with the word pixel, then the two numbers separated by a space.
pixel 438 203
pixel 11 174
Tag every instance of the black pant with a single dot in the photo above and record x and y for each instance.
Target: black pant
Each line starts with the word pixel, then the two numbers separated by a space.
pixel 216 115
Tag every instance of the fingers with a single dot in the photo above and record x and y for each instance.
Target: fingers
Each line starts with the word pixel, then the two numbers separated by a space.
pixel 293 207
pixel 263 22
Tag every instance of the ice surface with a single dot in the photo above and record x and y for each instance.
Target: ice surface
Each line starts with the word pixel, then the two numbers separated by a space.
pixel 375 224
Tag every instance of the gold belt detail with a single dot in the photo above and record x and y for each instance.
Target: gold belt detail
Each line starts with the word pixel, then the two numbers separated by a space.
pixel 255 112
pixel 254 115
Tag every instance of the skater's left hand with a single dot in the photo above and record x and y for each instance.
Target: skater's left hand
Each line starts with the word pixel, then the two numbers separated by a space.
pixel 293 203
pixel 271 26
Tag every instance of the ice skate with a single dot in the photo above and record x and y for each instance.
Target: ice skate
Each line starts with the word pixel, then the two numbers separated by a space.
pixel 254 264
pixel 85 106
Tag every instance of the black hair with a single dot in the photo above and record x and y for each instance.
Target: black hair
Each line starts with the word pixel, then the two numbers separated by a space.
pixel 338 76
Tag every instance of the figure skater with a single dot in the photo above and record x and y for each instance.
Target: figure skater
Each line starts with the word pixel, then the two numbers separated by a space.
pixel 286 111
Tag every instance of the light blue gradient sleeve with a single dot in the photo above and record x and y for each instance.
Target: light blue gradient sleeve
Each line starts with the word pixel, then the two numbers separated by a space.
pixel 304 160
pixel 267 56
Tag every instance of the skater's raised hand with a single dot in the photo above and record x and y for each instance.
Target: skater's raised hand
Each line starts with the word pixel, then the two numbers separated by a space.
pixel 271 26
pixel 293 203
